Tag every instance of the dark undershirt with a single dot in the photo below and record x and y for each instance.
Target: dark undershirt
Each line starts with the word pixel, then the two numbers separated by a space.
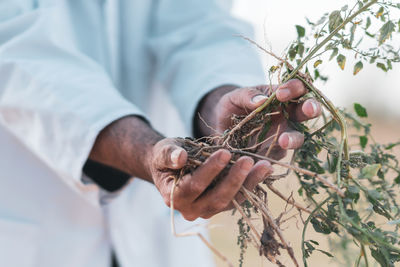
pixel 107 177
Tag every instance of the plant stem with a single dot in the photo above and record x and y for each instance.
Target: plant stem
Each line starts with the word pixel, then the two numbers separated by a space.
pixel 365 255
pixel 330 36
pixel 305 228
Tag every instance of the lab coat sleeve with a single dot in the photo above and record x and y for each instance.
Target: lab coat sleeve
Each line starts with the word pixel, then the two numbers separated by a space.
pixel 197 49
pixel 53 98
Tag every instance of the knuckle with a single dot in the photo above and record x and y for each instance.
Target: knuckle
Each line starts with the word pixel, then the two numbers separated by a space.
pixel 196 188
pixel 254 91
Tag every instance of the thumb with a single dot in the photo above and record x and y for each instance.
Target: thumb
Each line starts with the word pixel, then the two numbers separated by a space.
pixel 170 156
pixel 248 99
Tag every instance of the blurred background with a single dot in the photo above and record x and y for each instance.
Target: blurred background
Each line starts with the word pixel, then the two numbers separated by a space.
pixel 274 23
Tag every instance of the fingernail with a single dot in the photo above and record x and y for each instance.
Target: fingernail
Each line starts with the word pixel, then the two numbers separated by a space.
pixel 258 98
pixel 175 157
pixel 314 108
pixel 283 93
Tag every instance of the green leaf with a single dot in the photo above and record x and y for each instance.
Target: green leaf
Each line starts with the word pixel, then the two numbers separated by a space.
pixel 317 63
pixel 335 19
pixel 324 252
pixel 397 179
pixel 363 141
pixel 352 32
pixel 391 145
pixel 381 66
pixel 368 23
pixel 370 171
pixel 353 193
pixel 292 52
pixel 320 227
pixel 300 49
pixel 358 67
pixel 360 110
pixel 341 60
pixel 353 215
pixel 389 64
pixel 386 31
pixel 375 194
pixel 335 51
pixel 301 32
pixel 380 258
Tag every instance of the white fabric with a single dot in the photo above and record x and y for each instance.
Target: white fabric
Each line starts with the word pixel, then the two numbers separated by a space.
pixel 69 68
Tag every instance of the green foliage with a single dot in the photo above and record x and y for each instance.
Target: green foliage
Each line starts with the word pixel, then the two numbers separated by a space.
pixel 368 173
pixel 360 110
pixel 301 32
pixel 369 176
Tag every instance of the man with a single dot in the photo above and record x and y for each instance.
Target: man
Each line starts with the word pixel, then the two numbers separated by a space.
pixel 75 85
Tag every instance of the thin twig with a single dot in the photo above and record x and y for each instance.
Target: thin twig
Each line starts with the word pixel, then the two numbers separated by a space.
pixel 268 216
pixel 294 168
pixel 249 117
pixel 261 48
pixel 202 238
pixel 259 144
pixel 288 200
pixel 274 141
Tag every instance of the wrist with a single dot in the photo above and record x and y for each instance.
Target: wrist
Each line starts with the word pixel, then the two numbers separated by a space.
pixel 205 119
pixel 127 144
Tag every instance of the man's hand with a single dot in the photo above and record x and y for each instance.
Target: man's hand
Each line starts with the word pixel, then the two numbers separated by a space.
pixel 131 145
pixel 193 197
pixel 218 107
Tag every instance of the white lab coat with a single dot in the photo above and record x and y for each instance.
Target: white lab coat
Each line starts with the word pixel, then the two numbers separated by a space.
pixel 68 69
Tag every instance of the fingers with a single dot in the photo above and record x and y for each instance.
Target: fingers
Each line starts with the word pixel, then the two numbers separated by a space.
pixel 218 199
pixel 290 90
pixel 307 110
pixel 246 99
pixel 191 187
pixel 169 155
pixel 291 140
pixel 258 173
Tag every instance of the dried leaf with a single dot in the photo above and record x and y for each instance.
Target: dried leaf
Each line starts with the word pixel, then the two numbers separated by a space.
pixel 386 31
pixel 380 12
pixel 317 63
